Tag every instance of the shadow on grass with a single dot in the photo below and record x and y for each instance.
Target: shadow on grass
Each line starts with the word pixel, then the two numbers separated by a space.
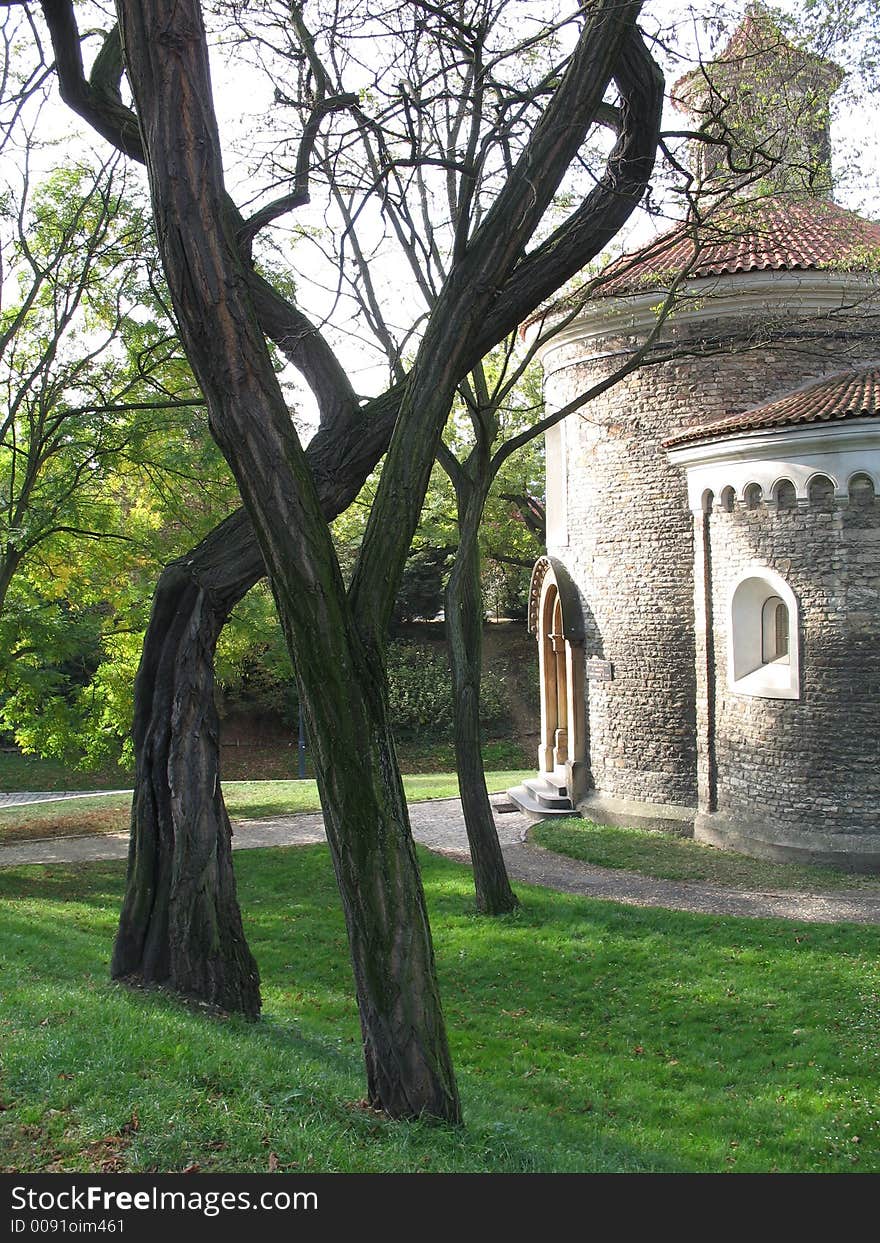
pixel 585 1035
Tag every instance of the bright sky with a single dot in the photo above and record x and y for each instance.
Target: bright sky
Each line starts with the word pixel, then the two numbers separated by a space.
pixel 243 99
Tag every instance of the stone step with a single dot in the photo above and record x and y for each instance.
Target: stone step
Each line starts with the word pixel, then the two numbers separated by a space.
pixel 548 795
pixel 526 800
pixel 557 778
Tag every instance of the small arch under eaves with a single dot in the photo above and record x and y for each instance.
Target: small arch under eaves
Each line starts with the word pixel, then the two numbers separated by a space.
pixel 784 493
pixel 861 487
pixel 753 495
pixel 821 488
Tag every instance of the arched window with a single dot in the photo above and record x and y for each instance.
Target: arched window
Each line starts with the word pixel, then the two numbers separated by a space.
pixel 753 496
pixel 821 491
pixel 774 631
pixel 763 637
pixel 861 489
pixel 728 496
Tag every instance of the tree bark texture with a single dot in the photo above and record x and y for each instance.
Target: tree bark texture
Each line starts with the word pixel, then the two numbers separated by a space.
pixel 180 924
pixel 464 631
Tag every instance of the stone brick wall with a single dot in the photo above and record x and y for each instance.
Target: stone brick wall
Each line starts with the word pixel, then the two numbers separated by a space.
pixel 629 545
pixel 628 552
pixel 812 763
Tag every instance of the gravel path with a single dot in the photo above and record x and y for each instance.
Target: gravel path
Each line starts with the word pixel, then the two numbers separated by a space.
pixel 439 826
pixel 52 796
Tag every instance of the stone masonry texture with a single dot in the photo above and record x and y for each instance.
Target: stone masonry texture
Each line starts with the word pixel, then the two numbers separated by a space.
pixel 810 762
pixel 630 552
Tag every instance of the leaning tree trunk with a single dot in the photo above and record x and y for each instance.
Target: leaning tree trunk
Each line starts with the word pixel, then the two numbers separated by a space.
pixel 409 1069
pixel 180 924
pixel 464 626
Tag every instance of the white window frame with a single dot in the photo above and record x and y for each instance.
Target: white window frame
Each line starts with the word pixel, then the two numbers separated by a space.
pixel 748 673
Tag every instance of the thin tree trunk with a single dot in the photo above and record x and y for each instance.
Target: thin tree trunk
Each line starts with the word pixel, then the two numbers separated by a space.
pixel 8 566
pixel 464 630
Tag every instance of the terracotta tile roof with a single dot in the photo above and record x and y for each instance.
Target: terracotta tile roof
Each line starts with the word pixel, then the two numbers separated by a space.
pixel 844 395
pixel 774 234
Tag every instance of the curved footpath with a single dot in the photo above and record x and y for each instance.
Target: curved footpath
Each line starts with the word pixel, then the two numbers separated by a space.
pixel 439 826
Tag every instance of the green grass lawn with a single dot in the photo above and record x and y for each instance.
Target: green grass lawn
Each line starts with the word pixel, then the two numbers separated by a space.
pixel 32 772
pixel 245 800
pixel 586 1036
pixel 272 762
pixel 678 858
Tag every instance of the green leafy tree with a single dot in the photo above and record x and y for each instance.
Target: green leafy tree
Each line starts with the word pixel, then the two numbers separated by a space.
pixel 106 467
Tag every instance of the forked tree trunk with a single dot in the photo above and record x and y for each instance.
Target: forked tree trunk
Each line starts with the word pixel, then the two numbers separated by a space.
pixel 334 641
pixel 342 684
pixel 189 609
pixel 464 630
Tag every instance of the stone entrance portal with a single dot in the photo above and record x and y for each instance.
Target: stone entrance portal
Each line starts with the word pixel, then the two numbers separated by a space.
pixel 553 751
pixel 555 620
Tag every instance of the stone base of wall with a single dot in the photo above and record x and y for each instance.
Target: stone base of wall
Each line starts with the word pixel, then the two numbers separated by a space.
pixel 847 851
pixel 629 813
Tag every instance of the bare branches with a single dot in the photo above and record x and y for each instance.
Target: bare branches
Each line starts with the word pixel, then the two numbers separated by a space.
pixel 299 195
pixel 592 225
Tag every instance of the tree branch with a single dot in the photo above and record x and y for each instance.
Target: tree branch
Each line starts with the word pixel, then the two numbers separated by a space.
pixel 299 196
pixel 102 108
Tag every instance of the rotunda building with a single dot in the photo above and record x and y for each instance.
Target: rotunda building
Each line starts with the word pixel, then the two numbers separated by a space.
pixel 648 714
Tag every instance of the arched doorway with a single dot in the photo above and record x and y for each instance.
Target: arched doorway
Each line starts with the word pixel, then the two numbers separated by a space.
pixel 554 683
pixel 555 620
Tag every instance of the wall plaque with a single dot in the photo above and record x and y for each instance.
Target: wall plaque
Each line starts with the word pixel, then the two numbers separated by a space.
pixel 599 670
